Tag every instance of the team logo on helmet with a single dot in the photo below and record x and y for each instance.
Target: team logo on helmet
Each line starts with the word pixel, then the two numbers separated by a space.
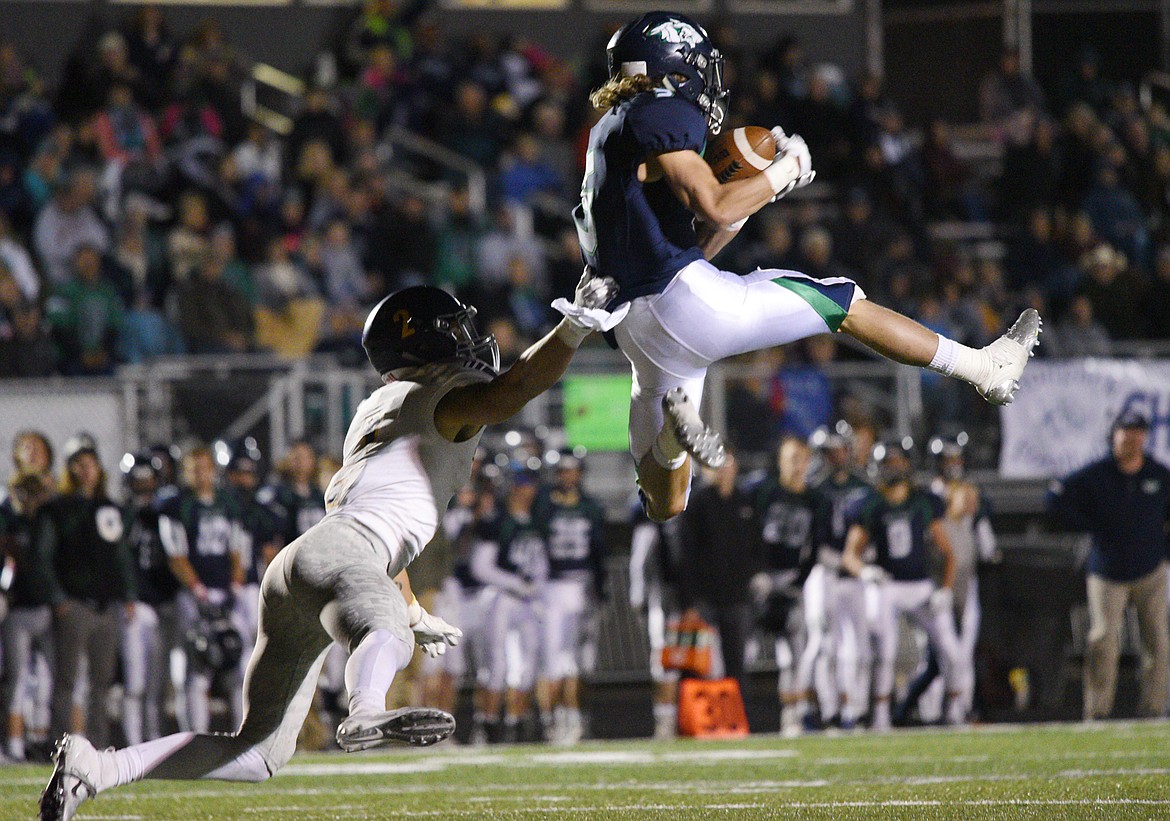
pixel 676 31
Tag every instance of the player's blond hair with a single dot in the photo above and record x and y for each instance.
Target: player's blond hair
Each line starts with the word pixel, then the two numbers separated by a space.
pixel 618 89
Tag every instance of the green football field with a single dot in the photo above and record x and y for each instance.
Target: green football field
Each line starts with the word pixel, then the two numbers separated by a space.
pixel 1104 772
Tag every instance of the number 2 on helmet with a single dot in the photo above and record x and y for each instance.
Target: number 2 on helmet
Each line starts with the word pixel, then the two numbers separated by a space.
pixel 402 317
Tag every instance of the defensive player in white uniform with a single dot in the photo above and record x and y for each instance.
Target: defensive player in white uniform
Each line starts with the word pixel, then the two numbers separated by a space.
pixel 653 213
pixel 407 451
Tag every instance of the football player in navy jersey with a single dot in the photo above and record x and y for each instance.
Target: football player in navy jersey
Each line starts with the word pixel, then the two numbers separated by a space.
pixel 151 631
pixel 794 525
pixel 576 555
pixel 901 521
pixel 208 551
pixel 511 558
pixel 843 683
pixel 652 214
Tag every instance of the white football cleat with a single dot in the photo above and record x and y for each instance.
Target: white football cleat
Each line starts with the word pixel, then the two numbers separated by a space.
pixel 1009 355
pixel 76 773
pixel 702 443
pixel 417 726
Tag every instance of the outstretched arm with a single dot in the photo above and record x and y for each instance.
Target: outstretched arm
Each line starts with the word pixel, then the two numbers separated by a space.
pixel 467 408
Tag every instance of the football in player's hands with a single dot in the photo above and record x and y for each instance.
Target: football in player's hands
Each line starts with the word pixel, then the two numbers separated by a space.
pixel 740 153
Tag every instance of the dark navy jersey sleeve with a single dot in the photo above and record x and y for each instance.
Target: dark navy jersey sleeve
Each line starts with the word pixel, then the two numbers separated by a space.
pixel 660 124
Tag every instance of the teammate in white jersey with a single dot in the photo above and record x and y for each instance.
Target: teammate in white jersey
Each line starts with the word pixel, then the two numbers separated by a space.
pixel 407 451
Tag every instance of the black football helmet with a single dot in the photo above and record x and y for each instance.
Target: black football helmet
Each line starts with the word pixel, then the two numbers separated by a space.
pixel 422 325
pixel 213 643
pixel 677 51
pixel 893 461
pixel 947 454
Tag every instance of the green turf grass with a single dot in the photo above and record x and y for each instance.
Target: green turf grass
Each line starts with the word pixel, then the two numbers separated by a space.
pixel 1104 771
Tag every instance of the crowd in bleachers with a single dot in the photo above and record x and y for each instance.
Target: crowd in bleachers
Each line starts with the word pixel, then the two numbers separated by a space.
pixel 142 213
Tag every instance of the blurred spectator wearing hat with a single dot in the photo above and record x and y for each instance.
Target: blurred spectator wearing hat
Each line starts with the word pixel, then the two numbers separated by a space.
pixel 88 573
pixel 1122 501
pixel 150 633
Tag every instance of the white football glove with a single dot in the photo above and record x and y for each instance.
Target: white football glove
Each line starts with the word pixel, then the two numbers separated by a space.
pixel 873 574
pixel 586 313
pixel 431 633
pixel 792 166
pixel 942 600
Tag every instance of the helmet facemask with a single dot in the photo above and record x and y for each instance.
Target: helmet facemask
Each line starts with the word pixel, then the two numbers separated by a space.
pixel 476 351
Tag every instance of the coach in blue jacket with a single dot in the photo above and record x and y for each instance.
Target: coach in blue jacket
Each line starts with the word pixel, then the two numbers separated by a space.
pixel 1123 502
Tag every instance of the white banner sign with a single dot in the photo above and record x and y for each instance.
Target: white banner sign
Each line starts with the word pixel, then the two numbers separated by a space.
pixel 1061 417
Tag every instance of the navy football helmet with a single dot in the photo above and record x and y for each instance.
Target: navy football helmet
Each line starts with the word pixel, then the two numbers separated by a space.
pixel 676 50
pixel 893 461
pixel 422 325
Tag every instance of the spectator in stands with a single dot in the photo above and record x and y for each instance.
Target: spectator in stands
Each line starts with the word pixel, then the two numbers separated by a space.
pixel 525 174
pixel 801 391
pixel 288 317
pixel 719 560
pixel 1083 84
pixel 258 156
pixel 1158 298
pixel 1033 258
pixel 16 259
pixel 114 68
pixel 859 236
pixel 1117 216
pixel 1078 333
pixel 83 558
pixel 126 132
pixel 188 242
pixel 1115 291
pixel 214 316
pixel 317 123
pixel 1122 501
pixel 1031 167
pixel 86 313
pixel 456 242
pixel 67 223
pixel 505 240
pixel 1008 91
pixel 469 127
pixel 25 347
pixel 774 247
pixel 402 243
pixel 151 50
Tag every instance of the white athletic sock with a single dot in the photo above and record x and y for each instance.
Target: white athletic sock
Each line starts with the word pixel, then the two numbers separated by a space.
pixel 955 359
pixel 15 748
pixel 132 719
pixel 371 669
pixel 667 452
pixel 136 761
pixel 198 703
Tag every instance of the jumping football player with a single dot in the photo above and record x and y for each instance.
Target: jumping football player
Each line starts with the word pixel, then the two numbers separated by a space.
pixel 652 213
pixel 407 451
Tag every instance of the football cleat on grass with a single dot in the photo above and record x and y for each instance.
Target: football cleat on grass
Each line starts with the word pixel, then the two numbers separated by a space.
pixel 702 443
pixel 1009 354
pixel 76 771
pixel 417 726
